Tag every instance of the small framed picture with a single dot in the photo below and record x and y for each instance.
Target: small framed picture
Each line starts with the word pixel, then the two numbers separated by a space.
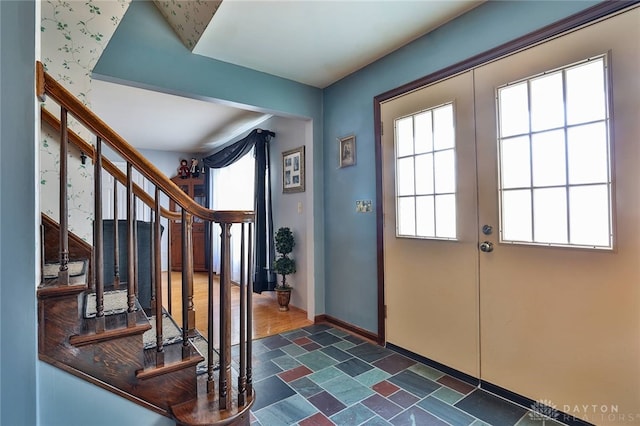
pixel 347 151
pixel 293 170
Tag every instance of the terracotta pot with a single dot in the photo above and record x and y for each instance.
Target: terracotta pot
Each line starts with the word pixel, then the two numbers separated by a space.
pixel 284 296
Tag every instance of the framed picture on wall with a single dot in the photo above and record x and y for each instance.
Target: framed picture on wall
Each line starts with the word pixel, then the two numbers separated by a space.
pixel 347 151
pixel 293 170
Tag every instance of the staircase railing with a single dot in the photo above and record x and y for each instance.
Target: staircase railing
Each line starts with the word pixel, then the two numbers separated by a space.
pixel 228 220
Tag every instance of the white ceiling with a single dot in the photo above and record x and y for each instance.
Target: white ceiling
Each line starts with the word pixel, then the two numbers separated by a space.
pixel 309 41
pixel 168 122
pixel 319 42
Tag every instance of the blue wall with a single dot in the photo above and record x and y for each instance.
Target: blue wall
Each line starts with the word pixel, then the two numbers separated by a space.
pixel 87 404
pixel 145 52
pixel 18 212
pixel 350 238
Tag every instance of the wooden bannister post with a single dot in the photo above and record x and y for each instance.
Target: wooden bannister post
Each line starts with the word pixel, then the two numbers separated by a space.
pixel 98 237
pixel 187 272
pixel 152 261
pixel 250 276
pixel 131 278
pixel 135 245
pixel 63 272
pixel 116 238
pixel 242 374
pixel 211 386
pixel 185 288
pixel 224 381
pixel 169 291
pixel 157 284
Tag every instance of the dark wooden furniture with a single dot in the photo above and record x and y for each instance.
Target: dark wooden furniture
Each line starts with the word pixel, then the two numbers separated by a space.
pixel 196 188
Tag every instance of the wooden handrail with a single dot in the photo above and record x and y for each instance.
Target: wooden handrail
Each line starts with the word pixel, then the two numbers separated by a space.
pixel 116 142
pixel 118 174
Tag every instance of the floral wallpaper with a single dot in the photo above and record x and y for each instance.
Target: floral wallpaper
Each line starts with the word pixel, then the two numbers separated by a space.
pixel 188 18
pixel 74 35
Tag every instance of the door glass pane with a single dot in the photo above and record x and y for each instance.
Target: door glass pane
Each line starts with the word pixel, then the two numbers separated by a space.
pixel 406 216
pixel 424 174
pixel 405 176
pixel 443 131
pixel 445 171
pixel 430 170
pixel 424 132
pixel 425 217
pixel 560 212
pixel 589 215
pixel 550 215
pixel 514 110
pixel 586 97
pixel 446 216
pixel 516 215
pixel 404 136
pixel 515 162
pixel 587 147
pixel 547 105
pixel 548 153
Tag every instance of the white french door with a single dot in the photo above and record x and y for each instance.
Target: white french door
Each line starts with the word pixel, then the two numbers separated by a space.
pixel 538 291
pixel 431 283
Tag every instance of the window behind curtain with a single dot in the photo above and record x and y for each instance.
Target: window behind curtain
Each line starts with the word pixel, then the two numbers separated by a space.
pixel 232 188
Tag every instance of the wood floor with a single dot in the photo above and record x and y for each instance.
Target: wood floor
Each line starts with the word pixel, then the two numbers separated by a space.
pixel 267 319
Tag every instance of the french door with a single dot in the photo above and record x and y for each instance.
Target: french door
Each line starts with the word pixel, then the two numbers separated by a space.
pixel 537 289
pixel 431 284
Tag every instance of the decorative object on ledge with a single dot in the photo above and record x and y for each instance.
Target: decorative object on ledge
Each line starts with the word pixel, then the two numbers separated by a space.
pixel 284 265
pixel 293 170
pixel 194 169
pixel 347 151
pixel 183 170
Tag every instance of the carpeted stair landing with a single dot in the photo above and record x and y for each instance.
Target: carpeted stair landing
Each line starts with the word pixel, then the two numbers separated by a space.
pixel 115 302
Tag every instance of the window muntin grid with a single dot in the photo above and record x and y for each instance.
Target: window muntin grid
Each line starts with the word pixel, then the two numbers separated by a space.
pixel 426 174
pixel 554 158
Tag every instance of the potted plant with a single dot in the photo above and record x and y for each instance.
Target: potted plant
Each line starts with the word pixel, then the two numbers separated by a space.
pixel 284 265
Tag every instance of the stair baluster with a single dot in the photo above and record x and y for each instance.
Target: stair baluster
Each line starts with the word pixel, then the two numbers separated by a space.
pixel 211 386
pixel 187 273
pixel 250 273
pixel 186 267
pixel 116 238
pixel 63 273
pixel 131 275
pixel 153 261
pixel 98 237
pixel 242 374
pixel 157 282
pixel 224 380
pixel 169 290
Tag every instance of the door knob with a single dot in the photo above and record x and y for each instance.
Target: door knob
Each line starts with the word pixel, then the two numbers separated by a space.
pixel 486 246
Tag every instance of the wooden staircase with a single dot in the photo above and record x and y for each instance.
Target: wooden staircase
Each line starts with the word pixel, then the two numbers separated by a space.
pixel 108 349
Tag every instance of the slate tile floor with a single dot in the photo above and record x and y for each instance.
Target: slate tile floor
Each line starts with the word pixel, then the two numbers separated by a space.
pixel 319 375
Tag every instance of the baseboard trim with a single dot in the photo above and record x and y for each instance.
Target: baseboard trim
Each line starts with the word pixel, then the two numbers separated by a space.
pixel 510 396
pixel 349 327
pixel 529 403
pixel 473 381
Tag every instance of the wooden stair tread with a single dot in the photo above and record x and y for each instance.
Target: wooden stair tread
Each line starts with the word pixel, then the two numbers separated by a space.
pixel 173 360
pixel 204 410
pixel 52 288
pixel 115 326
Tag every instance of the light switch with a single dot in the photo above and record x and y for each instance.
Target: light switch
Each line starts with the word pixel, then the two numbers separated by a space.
pixel 299 207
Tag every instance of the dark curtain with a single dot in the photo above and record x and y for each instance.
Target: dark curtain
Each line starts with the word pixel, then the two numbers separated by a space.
pixel 264 279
